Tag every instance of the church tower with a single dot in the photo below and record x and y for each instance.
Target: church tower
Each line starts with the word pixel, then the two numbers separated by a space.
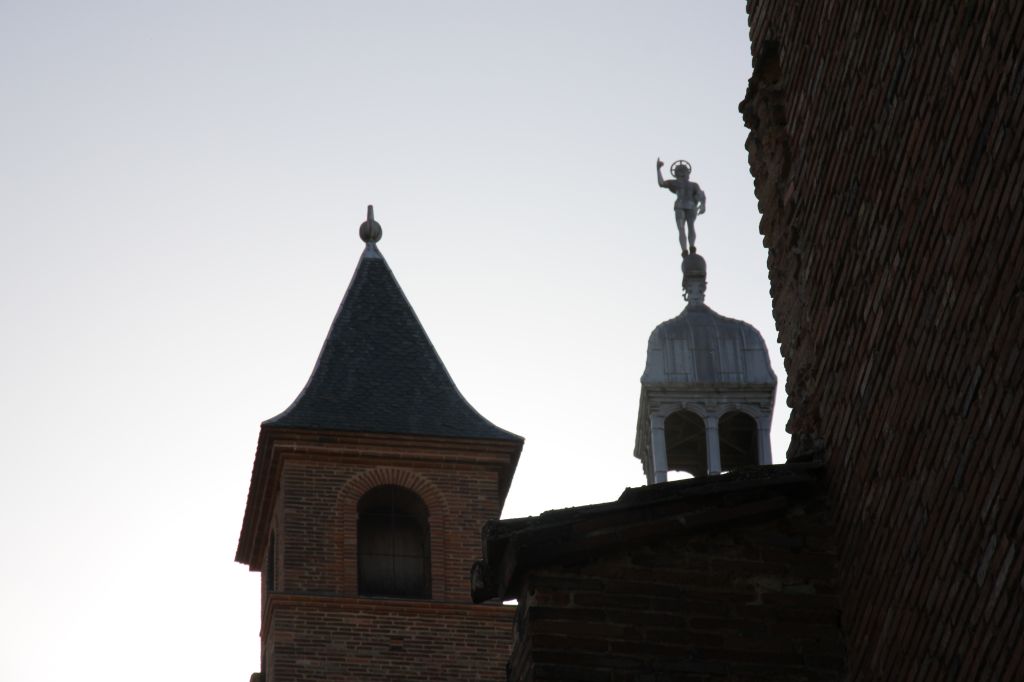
pixel 707 393
pixel 366 503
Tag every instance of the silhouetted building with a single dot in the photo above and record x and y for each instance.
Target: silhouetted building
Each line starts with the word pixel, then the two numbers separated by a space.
pixel 886 148
pixel 718 577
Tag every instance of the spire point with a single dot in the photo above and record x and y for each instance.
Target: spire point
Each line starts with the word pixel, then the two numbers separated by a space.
pixel 370 231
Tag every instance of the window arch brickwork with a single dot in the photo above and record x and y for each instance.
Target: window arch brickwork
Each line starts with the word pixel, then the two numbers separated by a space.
pixel 437 507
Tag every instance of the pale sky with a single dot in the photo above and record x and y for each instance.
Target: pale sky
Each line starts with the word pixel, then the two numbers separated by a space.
pixel 181 185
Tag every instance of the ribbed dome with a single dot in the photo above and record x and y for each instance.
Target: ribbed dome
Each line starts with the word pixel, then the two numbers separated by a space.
pixel 702 347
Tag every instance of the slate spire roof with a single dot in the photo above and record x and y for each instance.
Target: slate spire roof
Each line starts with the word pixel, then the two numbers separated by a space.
pixel 378 371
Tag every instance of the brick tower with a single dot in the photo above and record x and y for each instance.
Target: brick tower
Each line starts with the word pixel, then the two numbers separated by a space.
pixel 366 503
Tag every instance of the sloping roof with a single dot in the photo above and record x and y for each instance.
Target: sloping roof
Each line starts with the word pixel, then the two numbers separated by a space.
pixel 513 547
pixel 378 371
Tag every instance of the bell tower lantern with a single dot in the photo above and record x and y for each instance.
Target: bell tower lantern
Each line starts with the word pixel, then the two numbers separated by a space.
pixel 707 392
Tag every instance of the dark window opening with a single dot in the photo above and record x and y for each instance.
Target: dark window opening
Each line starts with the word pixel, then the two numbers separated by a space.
pixel 685 443
pixel 737 437
pixel 394 544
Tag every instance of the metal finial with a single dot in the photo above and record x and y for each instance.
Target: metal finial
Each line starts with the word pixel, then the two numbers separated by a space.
pixel 370 231
pixel 695 279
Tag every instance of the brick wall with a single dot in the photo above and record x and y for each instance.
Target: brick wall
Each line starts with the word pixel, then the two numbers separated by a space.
pixel 318 539
pixel 885 144
pixel 754 602
pixel 328 639
pixel 316 626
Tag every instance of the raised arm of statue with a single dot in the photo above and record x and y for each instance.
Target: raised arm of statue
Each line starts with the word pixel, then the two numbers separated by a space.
pixel 661 180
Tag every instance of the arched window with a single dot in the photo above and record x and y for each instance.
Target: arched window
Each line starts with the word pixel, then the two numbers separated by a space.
pixel 737 437
pixel 685 443
pixel 394 544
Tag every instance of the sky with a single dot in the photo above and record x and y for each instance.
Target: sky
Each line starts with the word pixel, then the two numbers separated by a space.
pixel 181 186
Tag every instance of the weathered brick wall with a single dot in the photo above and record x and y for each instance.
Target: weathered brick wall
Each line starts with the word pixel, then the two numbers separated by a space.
pixel 327 639
pixel 755 602
pixel 885 143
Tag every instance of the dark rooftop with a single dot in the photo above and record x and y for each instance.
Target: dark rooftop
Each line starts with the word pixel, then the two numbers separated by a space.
pixel 513 547
pixel 378 371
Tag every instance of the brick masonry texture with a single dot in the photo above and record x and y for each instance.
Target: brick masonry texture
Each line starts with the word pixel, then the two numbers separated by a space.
pixel 319 639
pixel 316 626
pixel 755 601
pixel 885 144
